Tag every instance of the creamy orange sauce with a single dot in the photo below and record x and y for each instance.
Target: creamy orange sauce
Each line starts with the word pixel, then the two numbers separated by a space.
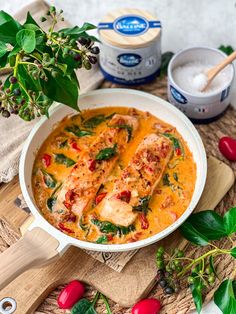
pixel 169 201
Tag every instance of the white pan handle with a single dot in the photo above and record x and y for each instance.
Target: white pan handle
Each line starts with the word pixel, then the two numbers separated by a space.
pixel 36 248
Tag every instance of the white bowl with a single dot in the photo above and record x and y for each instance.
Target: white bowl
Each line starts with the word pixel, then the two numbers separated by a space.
pixel 120 98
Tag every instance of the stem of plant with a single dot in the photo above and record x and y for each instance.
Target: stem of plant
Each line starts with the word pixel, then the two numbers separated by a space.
pixel 106 303
pixel 15 68
pixel 96 298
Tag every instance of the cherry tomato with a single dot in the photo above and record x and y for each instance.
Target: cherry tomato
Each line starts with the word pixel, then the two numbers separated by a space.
pixel 227 147
pixel 124 196
pixel 147 306
pixel 100 197
pixel 70 295
pixel 46 159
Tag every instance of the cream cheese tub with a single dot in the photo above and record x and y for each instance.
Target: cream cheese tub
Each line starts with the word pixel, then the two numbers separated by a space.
pixel 130 46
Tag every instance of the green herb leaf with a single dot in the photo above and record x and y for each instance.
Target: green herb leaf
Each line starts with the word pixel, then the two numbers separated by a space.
pixel 51 202
pixel 82 225
pixel 8 28
pixel 94 121
pixel 102 239
pixel 175 175
pixel 75 129
pixel 209 224
pixel 224 297
pixel 49 179
pixel 3 49
pixel 233 252
pixel 192 235
pixel 126 127
pixel 26 39
pixel 108 227
pixel 62 159
pixel 62 89
pixel 107 153
pixel 226 49
pixel 83 307
pixel 63 144
pixel 143 205
pixel 166 180
pixel 196 289
pixel 175 142
pixel 230 221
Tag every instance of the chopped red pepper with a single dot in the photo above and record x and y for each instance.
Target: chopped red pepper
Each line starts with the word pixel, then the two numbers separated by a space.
pixel 46 160
pixel 100 197
pixel 63 228
pixel 92 164
pixel 69 199
pixel 109 237
pixel 144 221
pixel 124 196
pixel 178 151
pixel 75 146
pixel 70 217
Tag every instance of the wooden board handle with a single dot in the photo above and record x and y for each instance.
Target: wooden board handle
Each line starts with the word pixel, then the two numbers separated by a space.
pixel 36 248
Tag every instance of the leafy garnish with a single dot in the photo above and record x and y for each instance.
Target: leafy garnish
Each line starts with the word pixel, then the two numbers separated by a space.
pixel 178 147
pixel 226 49
pixel 126 127
pixel 143 205
pixel 166 180
pixel 94 121
pixel 102 239
pixel 51 201
pixel 75 129
pixel 107 153
pixel 49 179
pixel 108 227
pixel 62 159
pixel 83 225
pixel 175 175
pixel 63 144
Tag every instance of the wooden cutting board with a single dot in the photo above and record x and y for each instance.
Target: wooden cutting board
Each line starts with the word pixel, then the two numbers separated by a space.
pixel 125 288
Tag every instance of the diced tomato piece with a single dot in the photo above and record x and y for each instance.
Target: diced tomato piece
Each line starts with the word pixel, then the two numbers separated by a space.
pixel 178 151
pixel 69 199
pixel 70 217
pixel 64 228
pixel 92 164
pixel 109 237
pixel 144 221
pixel 75 146
pixel 100 197
pixel 46 160
pixel 124 196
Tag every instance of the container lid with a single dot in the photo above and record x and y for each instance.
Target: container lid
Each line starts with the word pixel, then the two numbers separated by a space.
pixel 129 28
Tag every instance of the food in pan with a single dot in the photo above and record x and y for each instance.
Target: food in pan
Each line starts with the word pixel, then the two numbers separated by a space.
pixel 113 175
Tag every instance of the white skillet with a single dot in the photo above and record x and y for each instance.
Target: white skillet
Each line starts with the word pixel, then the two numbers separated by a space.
pixel 44 242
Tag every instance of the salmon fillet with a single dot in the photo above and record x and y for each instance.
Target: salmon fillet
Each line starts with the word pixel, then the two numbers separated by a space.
pixel 81 186
pixel 138 180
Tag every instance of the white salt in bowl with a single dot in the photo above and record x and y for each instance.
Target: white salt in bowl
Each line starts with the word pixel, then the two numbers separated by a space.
pixel 196 105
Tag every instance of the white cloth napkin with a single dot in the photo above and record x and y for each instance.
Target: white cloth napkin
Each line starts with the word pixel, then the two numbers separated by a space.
pixel 14 131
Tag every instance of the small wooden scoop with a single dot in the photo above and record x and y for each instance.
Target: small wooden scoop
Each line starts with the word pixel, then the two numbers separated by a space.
pixel 211 74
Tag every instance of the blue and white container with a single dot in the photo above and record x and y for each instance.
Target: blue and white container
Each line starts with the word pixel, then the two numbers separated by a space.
pixel 130 46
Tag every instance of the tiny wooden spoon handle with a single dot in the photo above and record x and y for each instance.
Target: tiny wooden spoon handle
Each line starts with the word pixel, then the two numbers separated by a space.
pixel 216 69
pixel 36 248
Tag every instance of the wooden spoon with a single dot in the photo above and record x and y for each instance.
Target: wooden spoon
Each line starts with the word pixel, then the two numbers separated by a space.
pixel 211 74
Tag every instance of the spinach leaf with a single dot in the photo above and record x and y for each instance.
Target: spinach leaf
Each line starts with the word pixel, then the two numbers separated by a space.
pixel 51 202
pixel 209 224
pixel 75 129
pixel 26 39
pixel 108 227
pixel 102 239
pixel 107 153
pixel 230 221
pixel 175 175
pixel 63 144
pixel 224 297
pixel 94 121
pixel 83 307
pixel 143 205
pixel 166 180
pixel 226 49
pixel 192 235
pixel 196 289
pixel 126 127
pixel 49 179
pixel 82 225
pixel 62 159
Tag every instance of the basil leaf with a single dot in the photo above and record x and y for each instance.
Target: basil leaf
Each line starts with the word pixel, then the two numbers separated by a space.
pixel 196 289
pixel 83 307
pixel 75 129
pixel 49 179
pixel 102 239
pixel 51 202
pixel 166 180
pixel 82 225
pixel 226 49
pixel 209 224
pixel 107 153
pixel 233 252
pixel 175 142
pixel 224 297
pixel 108 227
pixel 94 121
pixel 230 221
pixel 26 39
pixel 8 28
pixel 192 235
pixel 126 127
pixel 62 89
pixel 62 159
pixel 143 205
pixel 3 49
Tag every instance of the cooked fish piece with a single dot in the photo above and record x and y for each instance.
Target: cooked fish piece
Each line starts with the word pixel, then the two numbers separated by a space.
pixel 137 181
pixel 80 188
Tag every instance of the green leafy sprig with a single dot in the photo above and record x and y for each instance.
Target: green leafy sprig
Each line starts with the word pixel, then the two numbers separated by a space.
pixel 201 229
pixel 42 64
